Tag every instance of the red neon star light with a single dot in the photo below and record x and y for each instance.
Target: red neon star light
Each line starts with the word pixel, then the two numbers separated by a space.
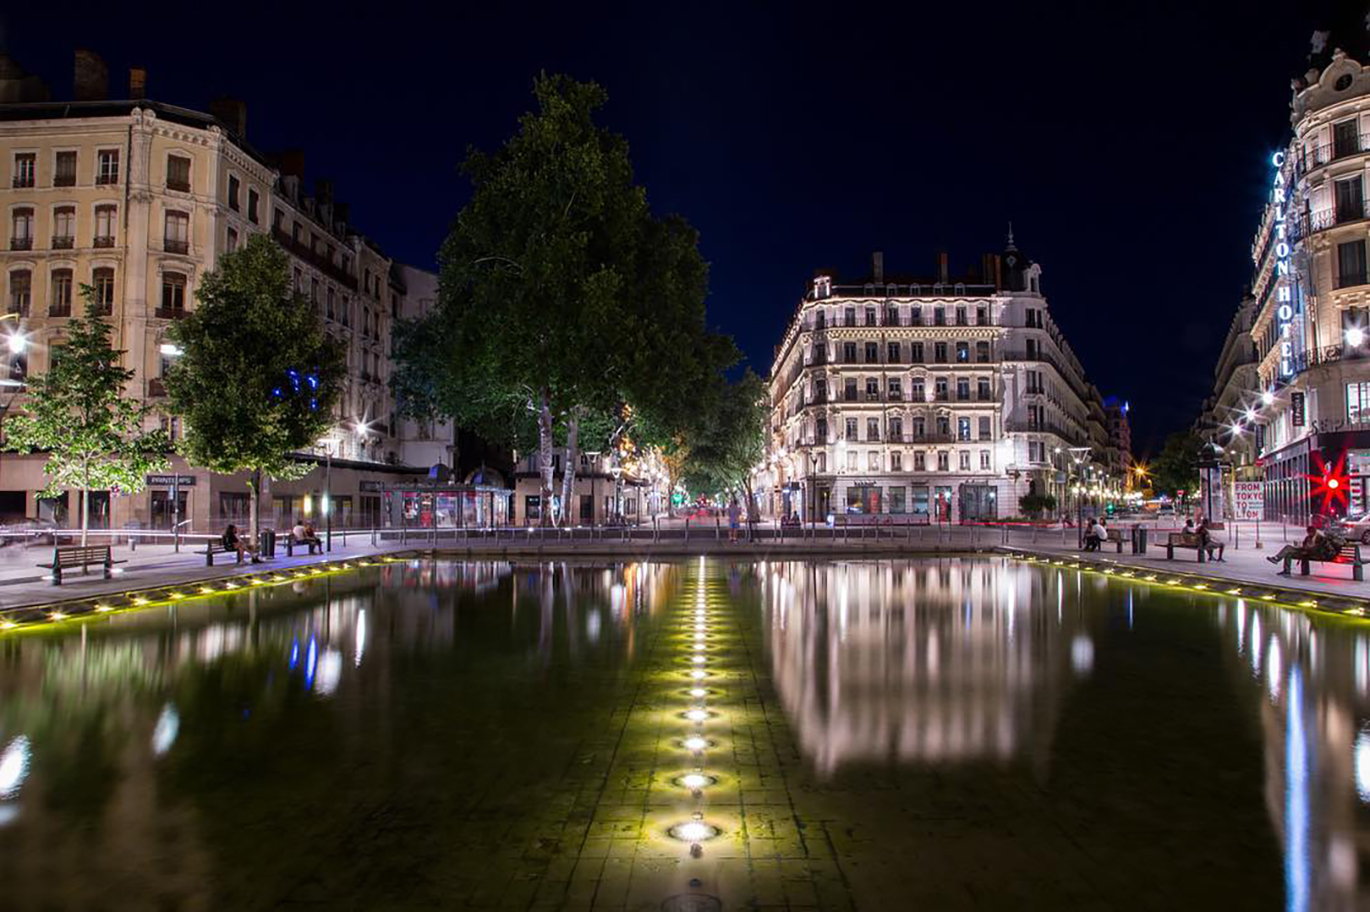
pixel 1331 483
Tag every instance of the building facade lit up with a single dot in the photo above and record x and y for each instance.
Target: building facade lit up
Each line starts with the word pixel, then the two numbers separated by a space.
pixel 1307 415
pixel 933 399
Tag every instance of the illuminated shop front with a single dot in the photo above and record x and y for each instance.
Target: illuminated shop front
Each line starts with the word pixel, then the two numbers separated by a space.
pixel 429 505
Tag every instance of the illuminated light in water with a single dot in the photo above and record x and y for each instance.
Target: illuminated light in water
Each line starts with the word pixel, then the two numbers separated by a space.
pixel 1236 591
pixel 696 743
pixel 695 781
pixel 1274 668
pixel 361 638
pixel 699 674
pixel 1362 764
pixel 330 672
pixel 8 625
pixel 697 715
pixel 699 637
pixel 14 766
pixel 206 590
pixel 57 616
pixel 104 607
pixel 176 595
pixel 694 831
pixel 592 626
pixel 311 657
pixel 1082 654
pixel 139 600
pixel 698 660
pixel 294 654
pixel 698 692
pixel 164 734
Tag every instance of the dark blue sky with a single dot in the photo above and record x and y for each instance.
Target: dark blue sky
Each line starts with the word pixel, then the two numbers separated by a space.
pixel 1128 143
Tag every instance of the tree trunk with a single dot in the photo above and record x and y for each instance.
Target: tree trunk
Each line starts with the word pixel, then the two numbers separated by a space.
pixel 85 514
pixel 568 475
pixel 545 455
pixel 254 519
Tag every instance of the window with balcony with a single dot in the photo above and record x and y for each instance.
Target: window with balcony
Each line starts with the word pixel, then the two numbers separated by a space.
pixel 1346 138
pixel 849 389
pixel 24 167
pixel 939 389
pixel 234 190
pixel 820 431
pixel 943 462
pixel 962 352
pixel 963 389
pixel 870 316
pixel 178 173
pixel 173 296
pixel 848 352
pixel 849 316
pixel 962 428
pixel 982 315
pixel 107 166
pixel 961 316
pixel 963 460
pixel 21 292
pixel 939 352
pixel 939 316
pixel 106 222
pixel 916 355
pixel 1351 265
pixel 872 389
pixel 984 460
pixel 102 281
pixel 892 353
pixel 891 316
pixel 896 428
pixel 917 392
pixel 64 228
pixel 1350 200
pixel 872 428
pixel 176 236
pixel 984 423
pixel 920 429
pixel 820 391
pixel 896 390
pixel 944 426
pixel 59 293
pixel 21 229
pixel 897 465
pixel 872 353
pixel 920 461
pixel 981 352
pixel 64 170
pixel 915 316
pixel 850 428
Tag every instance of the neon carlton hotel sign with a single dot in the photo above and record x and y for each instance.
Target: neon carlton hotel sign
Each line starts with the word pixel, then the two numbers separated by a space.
pixel 1284 293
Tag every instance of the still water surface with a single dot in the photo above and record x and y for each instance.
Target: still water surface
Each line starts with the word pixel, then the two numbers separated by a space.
pixel 877 735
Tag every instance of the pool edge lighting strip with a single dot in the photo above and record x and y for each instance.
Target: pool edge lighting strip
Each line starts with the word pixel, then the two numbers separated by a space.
pixel 26 618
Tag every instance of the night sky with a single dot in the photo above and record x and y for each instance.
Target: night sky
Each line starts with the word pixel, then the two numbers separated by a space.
pixel 1127 142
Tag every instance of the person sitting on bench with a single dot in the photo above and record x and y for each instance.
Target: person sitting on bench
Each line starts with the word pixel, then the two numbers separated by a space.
pixel 304 534
pixel 1308 548
pixel 232 541
pixel 1092 535
pixel 1208 542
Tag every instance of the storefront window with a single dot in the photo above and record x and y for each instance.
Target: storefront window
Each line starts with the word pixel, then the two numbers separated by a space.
pixel 1357 403
pixel 864 499
pixel 897 500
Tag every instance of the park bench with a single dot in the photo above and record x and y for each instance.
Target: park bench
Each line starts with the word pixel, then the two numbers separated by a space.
pixel 66 557
pixel 291 543
pixel 1113 537
pixel 216 546
pixel 1191 541
pixel 1349 554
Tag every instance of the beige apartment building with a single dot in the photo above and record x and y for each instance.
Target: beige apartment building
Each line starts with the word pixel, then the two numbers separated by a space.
pixel 139 199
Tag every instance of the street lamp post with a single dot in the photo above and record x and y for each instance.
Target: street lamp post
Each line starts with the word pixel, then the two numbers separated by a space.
pixel 1078 455
pixel 328 497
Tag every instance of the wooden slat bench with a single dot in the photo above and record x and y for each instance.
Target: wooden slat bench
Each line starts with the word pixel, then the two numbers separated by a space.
pixel 291 543
pixel 216 547
pixel 1188 540
pixel 1349 554
pixel 1114 537
pixel 67 557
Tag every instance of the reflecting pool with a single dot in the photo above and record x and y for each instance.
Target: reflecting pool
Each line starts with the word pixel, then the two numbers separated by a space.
pixel 944 734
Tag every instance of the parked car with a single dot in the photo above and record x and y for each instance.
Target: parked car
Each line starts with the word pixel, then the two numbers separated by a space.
pixel 1356 527
pixel 28 531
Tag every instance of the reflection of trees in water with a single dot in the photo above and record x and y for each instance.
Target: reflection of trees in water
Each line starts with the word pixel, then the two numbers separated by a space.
pixel 938 661
pixel 1314 707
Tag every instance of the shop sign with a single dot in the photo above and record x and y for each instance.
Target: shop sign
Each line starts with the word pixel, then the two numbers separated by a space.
pixel 1248 500
pixel 1284 292
pixel 1296 409
pixel 167 481
pixel 1337 425
pixel 369 485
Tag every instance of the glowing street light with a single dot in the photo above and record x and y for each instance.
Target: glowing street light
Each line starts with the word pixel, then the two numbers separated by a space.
pixel 1355 337
pixel 1267 398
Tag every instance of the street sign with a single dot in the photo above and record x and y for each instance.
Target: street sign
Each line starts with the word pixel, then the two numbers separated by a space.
pixel 1248 500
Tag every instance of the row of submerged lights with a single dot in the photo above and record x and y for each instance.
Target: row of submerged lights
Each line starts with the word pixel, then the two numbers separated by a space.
pixel 701 671
pixel 130 601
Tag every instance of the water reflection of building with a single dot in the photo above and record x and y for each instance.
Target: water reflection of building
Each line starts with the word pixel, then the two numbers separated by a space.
pixel 1315 720
pixel 932 661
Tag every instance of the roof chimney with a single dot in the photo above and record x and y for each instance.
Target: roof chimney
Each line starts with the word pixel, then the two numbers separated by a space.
pixel 323 190
pixel 291 162
pixel 137 82
pixel 943 274
pixel 232 113
pixel 90 77
pixel 878 268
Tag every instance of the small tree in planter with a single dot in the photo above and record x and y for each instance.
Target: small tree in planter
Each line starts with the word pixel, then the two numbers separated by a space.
pixel 1034 505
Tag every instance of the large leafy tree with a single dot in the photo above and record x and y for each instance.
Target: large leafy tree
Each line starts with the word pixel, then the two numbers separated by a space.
pixel 562 301
pixel 1176 468
pixel 732 444
pixel 257 378
pixel 80 414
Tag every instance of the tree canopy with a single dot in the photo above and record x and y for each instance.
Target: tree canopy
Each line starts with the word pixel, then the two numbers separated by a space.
pixel 79 413
pixel 563 302
pixel 257 378
pixel 1176 468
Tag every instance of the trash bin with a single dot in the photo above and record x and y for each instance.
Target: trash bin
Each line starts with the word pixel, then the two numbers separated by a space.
pixel 1138 539
pixel 268 543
